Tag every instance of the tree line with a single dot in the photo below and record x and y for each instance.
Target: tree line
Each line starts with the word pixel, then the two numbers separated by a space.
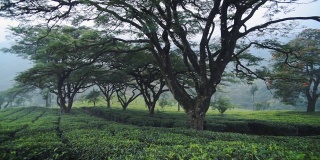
pixel 166 31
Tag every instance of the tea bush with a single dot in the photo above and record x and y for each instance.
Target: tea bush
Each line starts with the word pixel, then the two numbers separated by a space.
pixel 43 133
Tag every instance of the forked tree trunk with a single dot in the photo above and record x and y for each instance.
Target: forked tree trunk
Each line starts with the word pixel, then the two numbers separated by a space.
pixel 151 108
pixel 65 108
pixel 124 106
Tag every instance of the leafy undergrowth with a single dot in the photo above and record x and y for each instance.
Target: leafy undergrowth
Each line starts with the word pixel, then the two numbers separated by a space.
pixel 42 133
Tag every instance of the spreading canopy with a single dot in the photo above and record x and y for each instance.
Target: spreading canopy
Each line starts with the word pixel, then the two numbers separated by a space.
pixel 297 70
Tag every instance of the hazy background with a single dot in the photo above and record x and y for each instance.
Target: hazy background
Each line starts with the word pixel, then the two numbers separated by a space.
pixel 10 65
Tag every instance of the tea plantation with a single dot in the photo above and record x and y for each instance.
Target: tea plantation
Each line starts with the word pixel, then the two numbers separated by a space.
pixel 101 133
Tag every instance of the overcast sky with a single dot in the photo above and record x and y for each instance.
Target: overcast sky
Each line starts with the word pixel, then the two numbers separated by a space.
pixel 10 64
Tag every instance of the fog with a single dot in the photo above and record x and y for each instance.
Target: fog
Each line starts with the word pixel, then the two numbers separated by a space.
pixel 10 66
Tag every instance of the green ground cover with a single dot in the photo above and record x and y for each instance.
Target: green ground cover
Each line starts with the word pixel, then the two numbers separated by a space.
pixel 276 116
pixel 44 133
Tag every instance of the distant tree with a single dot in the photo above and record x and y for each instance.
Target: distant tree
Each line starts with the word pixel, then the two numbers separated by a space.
pixel 296 72
pixel 163 100
pixel 262 106
pixel 148 78
pixel 107 82
pixel 253 90
pixel 18 93
pixel 93 96
pixel 126 93
pixel 46 95
pixel 222 104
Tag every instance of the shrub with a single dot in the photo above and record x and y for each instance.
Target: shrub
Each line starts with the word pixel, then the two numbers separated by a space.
pixel 262 106
pixel 222 104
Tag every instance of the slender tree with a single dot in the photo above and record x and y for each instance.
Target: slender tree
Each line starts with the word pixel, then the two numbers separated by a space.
pixel 123 95
pixel 46 95
pixel 107 82
pixel 253 90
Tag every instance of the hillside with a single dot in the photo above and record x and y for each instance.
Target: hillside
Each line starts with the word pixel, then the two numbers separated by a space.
pixel 44 133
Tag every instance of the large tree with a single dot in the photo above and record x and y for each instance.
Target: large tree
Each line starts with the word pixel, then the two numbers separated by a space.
pixel 64 59
pixel 176 24
pixel 297 71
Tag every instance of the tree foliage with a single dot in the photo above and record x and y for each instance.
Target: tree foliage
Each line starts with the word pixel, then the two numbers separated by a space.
pixel 297 71
pixel 64 59
pixel 187 26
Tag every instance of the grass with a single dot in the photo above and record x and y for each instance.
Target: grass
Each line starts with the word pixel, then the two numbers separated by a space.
pixel 276 116
pixel 293 117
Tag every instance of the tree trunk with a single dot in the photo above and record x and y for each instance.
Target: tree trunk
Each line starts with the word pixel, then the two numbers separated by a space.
pixel 197 121
pixel 65 108
pixel 108 104
pixel 70 103
pixel 151 108
pixel 124 107
pixel 198 111
pixel 48 100
pixel 311 105
pixel 253 101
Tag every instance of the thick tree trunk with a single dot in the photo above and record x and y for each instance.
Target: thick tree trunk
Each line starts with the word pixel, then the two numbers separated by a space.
pixel 197 121
pixel 198 111
pixel 311 105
